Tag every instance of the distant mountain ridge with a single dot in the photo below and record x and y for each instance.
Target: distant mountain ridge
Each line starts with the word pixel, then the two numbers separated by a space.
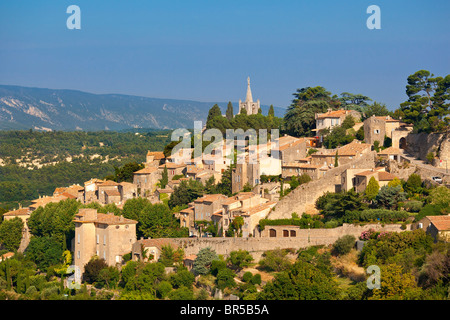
pixel 68 110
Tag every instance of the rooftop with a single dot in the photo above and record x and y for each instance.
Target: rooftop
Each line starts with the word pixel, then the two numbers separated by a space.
pixel 442 223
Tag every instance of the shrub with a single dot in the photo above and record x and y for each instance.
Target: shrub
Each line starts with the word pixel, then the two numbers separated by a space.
pixel 163 289
pixel 343 245
pixel 256 279
pixel 247 276
pixel 413 205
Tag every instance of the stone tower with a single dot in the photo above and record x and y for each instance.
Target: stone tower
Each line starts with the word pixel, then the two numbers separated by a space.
pixel 250 106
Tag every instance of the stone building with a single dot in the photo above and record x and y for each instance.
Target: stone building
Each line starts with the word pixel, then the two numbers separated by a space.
pixel 149 250
pixel 173 169
pixel 377 128
pixel 333 118
pixel 362 178
pixel 436 226
pixel 91 190
pixel 103 235
pixel 249 105
pixel 297 169
pixel 154 159
pixel 245 173
pixel 346 154
pixel 145 180
pixel 108 192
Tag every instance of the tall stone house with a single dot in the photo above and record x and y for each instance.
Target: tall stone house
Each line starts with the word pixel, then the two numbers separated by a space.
pixel 377 128
pixel 106 236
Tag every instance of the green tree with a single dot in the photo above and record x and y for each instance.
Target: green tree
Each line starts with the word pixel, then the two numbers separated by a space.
pixel 11 233
pixel 343 245
pixel 55 220
pixel 375 109
pixel 225 278
pixel 202 262
pixel 164 178
pixel 303 281
pixel 299 120
pixel 213 112
pixel 413 184
pixel 92 269
pixel 44 252
pixel 240 258
pixel 428 101
pixel 125 173
pixel 229 113
pixel 275 260
pixel 396 285
pixel 186 192
pixel 372 189
pixel 271 112
pixel 389 197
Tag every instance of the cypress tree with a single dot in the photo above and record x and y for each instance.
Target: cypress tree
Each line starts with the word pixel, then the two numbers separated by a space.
pixel 229 113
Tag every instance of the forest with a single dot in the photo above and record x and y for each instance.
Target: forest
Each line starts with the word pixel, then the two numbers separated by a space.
pixel 34 163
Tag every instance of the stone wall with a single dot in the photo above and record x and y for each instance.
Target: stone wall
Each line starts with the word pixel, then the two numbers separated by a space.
pixel 420 144
pixel 258 245
pixel 303 198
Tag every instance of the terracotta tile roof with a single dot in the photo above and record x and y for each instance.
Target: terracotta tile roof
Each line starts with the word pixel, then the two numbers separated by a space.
pixel 128 184
pixel 157 155
pixel 112 193
pixel 68 195
pixel 353 148
pixel 147 170
pixel 210 198
pixel 442 223
pixel 158 243
pixel 42 202
pixel 171 165
pixel 259 208
pixel 108 183
pixel 191 257
pixel 18 212
pixel 290 145
pixel 390 150
pixel 5 256
pixel 187 211
pixel 333 114
pixel 105 218
pixel 300 165
pixel 387 119
pixel 385 176
pixel 95 180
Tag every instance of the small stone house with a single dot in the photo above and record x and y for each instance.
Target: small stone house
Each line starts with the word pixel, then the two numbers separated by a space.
pixel 436 226
pixel 333 118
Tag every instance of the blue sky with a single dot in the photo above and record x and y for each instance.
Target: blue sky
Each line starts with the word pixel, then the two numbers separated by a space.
pixel 204 50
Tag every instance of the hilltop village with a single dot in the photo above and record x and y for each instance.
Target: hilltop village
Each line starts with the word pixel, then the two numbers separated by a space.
pixel 277 201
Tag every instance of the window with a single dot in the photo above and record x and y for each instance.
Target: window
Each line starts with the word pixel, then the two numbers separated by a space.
pixel 376 131
pixel 98 239
pixel 104 239
pixel 78 254
pixel 78 238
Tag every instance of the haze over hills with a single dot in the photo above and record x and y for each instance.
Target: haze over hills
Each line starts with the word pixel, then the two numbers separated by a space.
pixel 68 110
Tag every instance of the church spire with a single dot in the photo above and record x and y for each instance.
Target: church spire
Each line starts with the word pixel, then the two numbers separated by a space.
pixel 249 97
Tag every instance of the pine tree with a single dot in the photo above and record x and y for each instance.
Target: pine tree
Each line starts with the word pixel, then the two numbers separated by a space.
pixel 213 112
